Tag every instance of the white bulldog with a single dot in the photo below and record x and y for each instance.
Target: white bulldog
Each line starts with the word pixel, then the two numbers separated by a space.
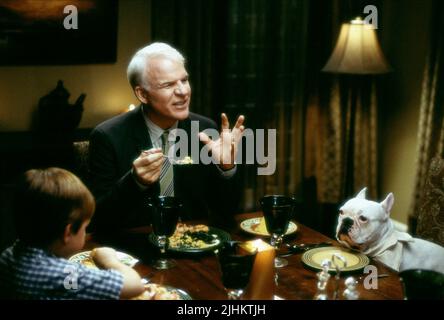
pixel 365 226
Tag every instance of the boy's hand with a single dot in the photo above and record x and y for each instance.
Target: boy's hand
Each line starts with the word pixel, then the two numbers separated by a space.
pixel 104 258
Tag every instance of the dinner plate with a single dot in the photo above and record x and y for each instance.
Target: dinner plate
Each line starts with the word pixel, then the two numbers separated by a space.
pixel 257 226
pixel 183 295
pixel 219 235
pixel 355 261
pixel 85 259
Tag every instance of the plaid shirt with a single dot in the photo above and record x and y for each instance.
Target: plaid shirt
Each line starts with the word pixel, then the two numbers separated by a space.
pixel 33 273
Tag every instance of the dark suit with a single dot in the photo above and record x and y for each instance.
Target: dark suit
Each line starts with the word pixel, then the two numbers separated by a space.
pixel 117 142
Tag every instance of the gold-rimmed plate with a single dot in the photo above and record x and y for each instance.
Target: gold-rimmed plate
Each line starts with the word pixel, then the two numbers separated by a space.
pixel 257 227
pixel 85 259
pixel 355 261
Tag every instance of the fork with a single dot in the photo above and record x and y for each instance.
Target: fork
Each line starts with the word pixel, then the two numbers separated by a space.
pixel 299 248
pixel 306 246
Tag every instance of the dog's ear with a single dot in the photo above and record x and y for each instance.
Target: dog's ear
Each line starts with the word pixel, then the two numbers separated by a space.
pixel 387 204
pixel 361 194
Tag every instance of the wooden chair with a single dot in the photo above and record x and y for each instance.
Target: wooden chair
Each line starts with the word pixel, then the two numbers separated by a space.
pixel 431 212
pixel 81 157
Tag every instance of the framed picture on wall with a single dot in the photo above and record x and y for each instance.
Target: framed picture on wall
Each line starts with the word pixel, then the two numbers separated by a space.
pixel 58 32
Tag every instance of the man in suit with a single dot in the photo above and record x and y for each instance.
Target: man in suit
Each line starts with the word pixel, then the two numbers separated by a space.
pixel 127 153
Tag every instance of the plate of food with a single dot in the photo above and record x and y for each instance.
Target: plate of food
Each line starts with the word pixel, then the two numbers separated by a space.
pixel 257 227
pixel 355 261
pixel 161 292
pixel 194 238
pixel 85 259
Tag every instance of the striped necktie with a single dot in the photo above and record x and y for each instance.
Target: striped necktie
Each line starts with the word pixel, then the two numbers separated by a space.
pixel 166 173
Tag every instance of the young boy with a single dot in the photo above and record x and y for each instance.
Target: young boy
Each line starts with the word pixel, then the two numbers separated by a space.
pixel 52 210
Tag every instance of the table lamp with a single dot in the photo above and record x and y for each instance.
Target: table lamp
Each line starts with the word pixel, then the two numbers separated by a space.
pixel 357 51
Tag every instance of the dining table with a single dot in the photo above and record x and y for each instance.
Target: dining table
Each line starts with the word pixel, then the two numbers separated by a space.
pixel 199 275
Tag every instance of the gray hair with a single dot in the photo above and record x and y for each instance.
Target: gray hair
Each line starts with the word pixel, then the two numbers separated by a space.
pixel 138 66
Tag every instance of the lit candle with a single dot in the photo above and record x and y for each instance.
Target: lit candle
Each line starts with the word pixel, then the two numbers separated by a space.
pixel 261 285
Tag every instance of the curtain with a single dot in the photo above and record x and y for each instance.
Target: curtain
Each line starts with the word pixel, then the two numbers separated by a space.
pixel 245 57
pixel 265 47
pixel 340 139
pixel 431 120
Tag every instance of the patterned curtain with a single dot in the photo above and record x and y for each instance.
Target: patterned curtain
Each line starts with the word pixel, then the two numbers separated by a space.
pixel 431 209
pixel 340 139
pixel 265 65
pixel 431 120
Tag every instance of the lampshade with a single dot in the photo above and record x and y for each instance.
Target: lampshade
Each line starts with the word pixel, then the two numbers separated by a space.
pixel 357 51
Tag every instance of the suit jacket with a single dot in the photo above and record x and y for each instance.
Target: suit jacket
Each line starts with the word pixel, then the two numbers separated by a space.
pixel 117 142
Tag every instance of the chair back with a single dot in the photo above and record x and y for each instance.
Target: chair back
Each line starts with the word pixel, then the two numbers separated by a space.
pixel 431 212
pixel 81 158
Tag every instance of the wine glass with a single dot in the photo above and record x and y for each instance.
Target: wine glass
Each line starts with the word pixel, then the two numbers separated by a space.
pixel 165 214
pixel 278 211
pixel 236 265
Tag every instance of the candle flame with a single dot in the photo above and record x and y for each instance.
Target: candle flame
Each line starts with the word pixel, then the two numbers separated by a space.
pixel 256 245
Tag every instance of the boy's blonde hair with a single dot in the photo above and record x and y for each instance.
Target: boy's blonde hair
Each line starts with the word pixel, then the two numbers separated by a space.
pixel 47 201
